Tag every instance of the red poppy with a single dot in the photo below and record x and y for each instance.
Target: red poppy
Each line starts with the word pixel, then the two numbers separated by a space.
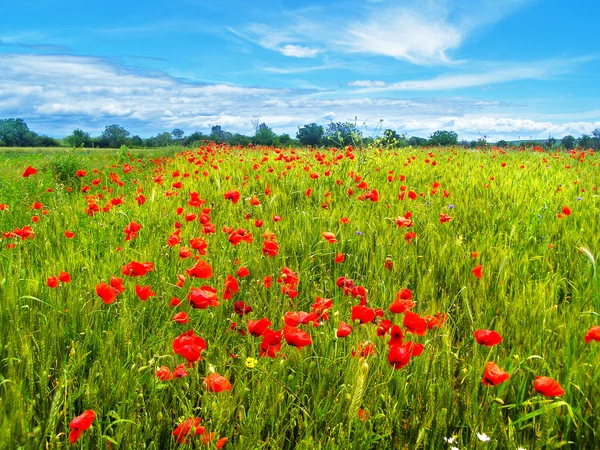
pixel 343 330
pixel 271 343
pixel 106 293
pixel 240 308
pixel 566 210
pixel 362 313
pixel 339 257
pixel 144 292
pixel 199 244
pixel 384 327
pixel 189 346
pixel 184 253
pixel 52 282
pixel 234 196
pixel 80 423
pixel 295 318
pixel 164 373
pixel 396 336
pixel 415 323
pixel 231 287
pixel 270 248
pixel 181 317
pixel 399 356
pixel 175 302
pixel 221 442
pixel 364 349
pixel 117 284
pixel 216 383
pixel 493 375
pixel 548 387
pixel 268 282
pixel 592 335
pixel 477 271
pixel 136 269
pixel 488 338
pixel 258 327
pixel 297 338
pixel 29 171
pixel 65 277
pixel 189 427
pixel 329 237
pixel 69 234
pixel 243 272
pixel 203 297
pixel 131 230
pixel 200 270
pixel 445 218
pixel 179 371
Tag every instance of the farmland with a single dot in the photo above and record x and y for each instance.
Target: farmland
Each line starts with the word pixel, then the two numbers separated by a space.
pixel 293 298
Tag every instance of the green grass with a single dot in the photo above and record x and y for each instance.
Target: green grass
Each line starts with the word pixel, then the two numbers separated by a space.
pixel 63 351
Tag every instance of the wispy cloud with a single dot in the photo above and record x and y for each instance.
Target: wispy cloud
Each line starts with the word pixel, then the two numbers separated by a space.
pixel 277 40
pixel 537 70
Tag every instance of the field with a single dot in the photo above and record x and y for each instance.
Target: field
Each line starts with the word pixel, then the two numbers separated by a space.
pixel 416 251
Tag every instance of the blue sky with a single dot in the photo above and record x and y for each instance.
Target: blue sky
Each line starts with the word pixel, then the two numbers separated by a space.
pixel 501 69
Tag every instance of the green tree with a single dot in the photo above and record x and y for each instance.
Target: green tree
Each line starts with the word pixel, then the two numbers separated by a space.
pixel 596 139
pixel 311 134
pixel 502 143
pixel 240 139
pixel 391 138
pixel 16 133
pixel 78 138
pixel 285 140
pixel 342 134
pixel 177 134
pixel 568 142
pixel 195 139
pixel 163 139
pixel 265 136
pixel 217 134
pixel 443 138
pixel 551 142
pixel 114 136
pixel 585 141
pixel 415 141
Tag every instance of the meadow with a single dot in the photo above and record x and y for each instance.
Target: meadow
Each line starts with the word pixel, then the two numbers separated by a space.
pixel 258 298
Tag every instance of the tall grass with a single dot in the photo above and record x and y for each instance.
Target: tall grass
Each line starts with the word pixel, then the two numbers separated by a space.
pixel 63 351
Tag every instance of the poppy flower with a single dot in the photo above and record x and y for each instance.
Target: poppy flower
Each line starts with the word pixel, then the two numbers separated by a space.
pixel 399 356
pixel 445 218
pixel 477 271
pixel 131 230
pixel 117 284
pixel 295 318
pixel 137 269
pixel 164 373
pixel 69 234
pixel 189 427
pixel 199 244
pixel 216 383
pixel 493 375
pixel 52 282
pixel 29 171
pixel 65 277
pixel 231 287
pixel 396 336
pixel 144 292
pixel 203 297
pixel 234 196
pixel 80 423
pixel 488 338
pixel 297 338
pixel 221 442
pixel 339 257
pixel 592 335
pixel 189 346
pixel 364 350
pixel 329 237
pixel 174 302
pixel 258 327
pixel 548 387
pixel 243 272
pixel 566 210
pixel 179 371
pixel 271 343
pixel 362 313
pixel 270 248
pixel 240 308
pixel 106 293
pixel 343 330
pixel 181 317
pixel 200 270
pixel 414 323
pixel 384 327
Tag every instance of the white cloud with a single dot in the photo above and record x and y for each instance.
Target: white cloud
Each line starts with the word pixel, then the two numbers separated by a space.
pixel 277 40
pixel 298 51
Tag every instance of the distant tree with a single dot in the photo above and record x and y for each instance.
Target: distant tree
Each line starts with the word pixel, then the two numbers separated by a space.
pixel 78 138
pixel 265 136
pixel 115 136
pixel 443 138
pixel 568 142
pixel 16 133
pixel 585 141
pixel 342 134
pixel 177 134
pixel 240 139
pixel 502 143
pixel 195 139
pixel 44 141
pixel 481 142
pixel 285 140
pixel 136 141
pixel 217 134
pixel 391 138
pixel 311 134
pixel 596 138
pixel 551 142
pixel 415 141
pixel 163 139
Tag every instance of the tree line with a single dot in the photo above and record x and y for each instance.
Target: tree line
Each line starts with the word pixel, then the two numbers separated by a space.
pixel 16 133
